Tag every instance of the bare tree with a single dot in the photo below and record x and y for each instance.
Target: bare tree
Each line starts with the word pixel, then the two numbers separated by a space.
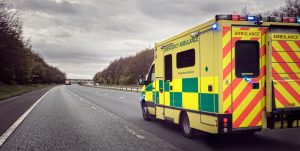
pixel 18 64
pixel 291 9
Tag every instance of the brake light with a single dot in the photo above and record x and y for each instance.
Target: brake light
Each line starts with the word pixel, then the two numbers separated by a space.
pixel 225 120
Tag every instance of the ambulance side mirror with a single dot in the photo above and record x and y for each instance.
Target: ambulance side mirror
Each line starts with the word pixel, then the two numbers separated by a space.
pixel 141 80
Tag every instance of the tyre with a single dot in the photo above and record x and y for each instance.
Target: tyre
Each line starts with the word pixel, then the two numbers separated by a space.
pixel 145 112
pixel 185 126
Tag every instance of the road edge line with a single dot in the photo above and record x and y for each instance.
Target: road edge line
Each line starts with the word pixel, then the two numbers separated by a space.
pixel 12 128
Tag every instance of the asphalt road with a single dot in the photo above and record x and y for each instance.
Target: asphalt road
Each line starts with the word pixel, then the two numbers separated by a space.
pixel 83 118
pixel 12 109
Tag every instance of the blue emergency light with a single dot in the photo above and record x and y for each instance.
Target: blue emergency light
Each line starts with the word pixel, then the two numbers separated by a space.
pixel 298 20
pixel 214 26
pixel 251 18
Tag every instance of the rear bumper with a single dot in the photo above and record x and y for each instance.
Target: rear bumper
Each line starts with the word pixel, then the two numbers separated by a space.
pixel 229 129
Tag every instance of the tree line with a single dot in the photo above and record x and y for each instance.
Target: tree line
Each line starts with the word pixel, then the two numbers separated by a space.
pixel 125 71
pixel 18 63
pixel 290 9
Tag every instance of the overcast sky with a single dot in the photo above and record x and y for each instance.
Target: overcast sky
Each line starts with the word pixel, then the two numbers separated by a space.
pixel 81 37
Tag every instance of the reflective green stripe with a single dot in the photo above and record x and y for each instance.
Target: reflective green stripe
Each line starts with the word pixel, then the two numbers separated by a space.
pixel 167 86
pixel 208 102
pixel 190 85
pixel 161 84
pixel 216 103
pixel 177 99
pixel 156 97
pixel 149 87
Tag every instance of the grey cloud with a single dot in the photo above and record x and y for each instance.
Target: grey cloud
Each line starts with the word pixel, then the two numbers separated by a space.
pixel 83 37
pixel 48 6
pixel 63 34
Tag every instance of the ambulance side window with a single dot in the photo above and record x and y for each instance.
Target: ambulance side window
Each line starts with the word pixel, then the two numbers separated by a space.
pixel 185 59
pixel 246 59
pixel 151 75
pixel 168 68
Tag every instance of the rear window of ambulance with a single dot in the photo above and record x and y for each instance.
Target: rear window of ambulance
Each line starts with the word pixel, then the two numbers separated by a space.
pixel 247 59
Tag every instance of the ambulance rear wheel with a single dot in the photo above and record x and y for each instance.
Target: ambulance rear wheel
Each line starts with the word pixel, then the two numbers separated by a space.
pixel 145 111
pixel 185 126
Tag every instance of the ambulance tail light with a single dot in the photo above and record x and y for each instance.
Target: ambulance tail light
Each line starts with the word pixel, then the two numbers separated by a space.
pixel 225 120
pixel 225 124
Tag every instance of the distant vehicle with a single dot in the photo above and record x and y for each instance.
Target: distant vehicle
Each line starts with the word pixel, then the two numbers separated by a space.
pixel 229 75
pixel 67 82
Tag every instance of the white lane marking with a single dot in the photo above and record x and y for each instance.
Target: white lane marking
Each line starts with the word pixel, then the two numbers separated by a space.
pixel 131 131
pixel 87 101
pixel 106 94
pixel 121 97
pixel 93 107
pixel 12 128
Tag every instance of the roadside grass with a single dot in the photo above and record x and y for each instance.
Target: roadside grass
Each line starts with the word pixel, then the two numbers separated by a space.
pixel 8 91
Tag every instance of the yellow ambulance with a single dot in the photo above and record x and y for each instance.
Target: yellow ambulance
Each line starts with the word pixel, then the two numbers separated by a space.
pixel 229 75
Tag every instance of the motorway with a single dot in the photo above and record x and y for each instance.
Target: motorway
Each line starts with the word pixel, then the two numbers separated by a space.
pixel 84 118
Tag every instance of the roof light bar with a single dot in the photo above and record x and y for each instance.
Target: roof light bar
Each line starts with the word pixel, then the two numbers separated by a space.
pixel 258 19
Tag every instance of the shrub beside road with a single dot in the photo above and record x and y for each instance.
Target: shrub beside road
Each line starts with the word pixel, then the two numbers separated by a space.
pixel 8 91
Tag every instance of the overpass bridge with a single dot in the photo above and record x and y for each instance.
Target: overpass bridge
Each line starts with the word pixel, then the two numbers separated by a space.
pixel 84 81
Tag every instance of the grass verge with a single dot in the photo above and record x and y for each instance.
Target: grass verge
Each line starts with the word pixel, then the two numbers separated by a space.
pixel 8 91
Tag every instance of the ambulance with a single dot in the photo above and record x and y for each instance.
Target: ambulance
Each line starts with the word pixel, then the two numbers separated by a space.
pixel 233 74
